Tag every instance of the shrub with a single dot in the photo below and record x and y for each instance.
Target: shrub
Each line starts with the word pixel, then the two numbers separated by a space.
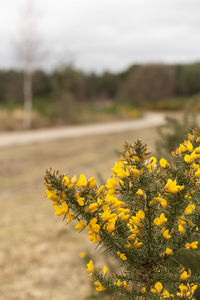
pixel 145 216
pixel 172 133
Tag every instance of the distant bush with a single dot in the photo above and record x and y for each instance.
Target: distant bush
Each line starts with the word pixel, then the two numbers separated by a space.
pixel 171 104
pixel 149 83
pixel 188 79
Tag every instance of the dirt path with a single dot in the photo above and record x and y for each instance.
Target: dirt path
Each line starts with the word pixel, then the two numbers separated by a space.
pixel 32 136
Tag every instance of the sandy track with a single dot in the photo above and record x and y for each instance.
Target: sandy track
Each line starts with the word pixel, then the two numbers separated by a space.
pixel 34 136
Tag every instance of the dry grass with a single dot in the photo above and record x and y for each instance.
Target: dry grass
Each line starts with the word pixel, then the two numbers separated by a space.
pixel 13 119
pixel 39 255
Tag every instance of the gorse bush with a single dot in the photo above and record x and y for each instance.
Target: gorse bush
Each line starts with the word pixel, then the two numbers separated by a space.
pixel 172 133
pixel 145 216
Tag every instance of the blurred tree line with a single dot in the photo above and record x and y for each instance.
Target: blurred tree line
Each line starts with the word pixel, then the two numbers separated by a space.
pixel 139 84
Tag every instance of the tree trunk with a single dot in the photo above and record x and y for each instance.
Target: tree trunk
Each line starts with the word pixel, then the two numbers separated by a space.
pixel 27 99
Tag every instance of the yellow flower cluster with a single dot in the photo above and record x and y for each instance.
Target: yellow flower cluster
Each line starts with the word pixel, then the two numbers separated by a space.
pixel 159 290
pixel 143 215
pixel 186 291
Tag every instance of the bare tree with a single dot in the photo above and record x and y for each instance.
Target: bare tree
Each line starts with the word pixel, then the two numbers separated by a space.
pixel 28 54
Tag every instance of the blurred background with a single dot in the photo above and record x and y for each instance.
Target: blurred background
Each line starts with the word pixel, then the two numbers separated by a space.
pixel 65 65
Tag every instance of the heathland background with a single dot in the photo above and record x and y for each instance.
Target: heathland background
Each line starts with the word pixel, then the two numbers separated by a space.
pixel 67 95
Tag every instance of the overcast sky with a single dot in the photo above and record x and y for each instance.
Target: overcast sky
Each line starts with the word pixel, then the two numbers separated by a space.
pixel 106 34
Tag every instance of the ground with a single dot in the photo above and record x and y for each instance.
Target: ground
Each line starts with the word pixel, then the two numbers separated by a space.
pixel 39 254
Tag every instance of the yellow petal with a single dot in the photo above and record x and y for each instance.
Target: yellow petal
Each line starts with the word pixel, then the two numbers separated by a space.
pixel 82 181
pixel 158 286
pixel 105 270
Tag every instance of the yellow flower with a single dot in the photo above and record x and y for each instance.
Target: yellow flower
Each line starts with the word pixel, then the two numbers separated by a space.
pixel 99 286
pixel 119 170
pixel 182 288
pixel 140 214
pixel 189 146
pixel 52 195
pixel 188 246
pixel 90 267
pixel 197 173
pixel 101 189
pixel 181 229
pixel 172 187
pixel 124 217
pixel 168 251
pixel 93 207
pixel 166 234
pixel 193 245
pixel 190 208
pixel 152 202
pixel 136 158
pixel 181 220
pixel 80 201
pixel 162 201
pixel 187 158
pixel 158 288
pixel 111 184
pixel 135 220
pixel 163 163
pixel 190 136
pixel 74 179
pixel 105 270
pixel 197 150
pixel 190 223
pixel 82 254
pixel 94 237
pixel 152 163
pixel 137 244
pixel 182 148
pixel 185 275
pixel 125 286
pixel 91 182
pixel 69 216
pixel 122 255
pixel 153 291
pixel 65 180
pixel 194 155
pixel 194 287
pixel 80 225
pixel 135 173
pixel 166 294
pixel 139 192
pixel 118 282
pixel 59 211
pixel 82 181
pixel 127 245
pixel 160 221
pixel 93 230
pixel 93 226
